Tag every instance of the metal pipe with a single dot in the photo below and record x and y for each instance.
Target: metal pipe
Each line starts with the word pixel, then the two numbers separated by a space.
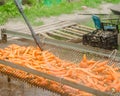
pixel 35 37
pixel 93 14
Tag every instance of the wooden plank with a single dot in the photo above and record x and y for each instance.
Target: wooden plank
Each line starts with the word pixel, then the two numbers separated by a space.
pixel 61 29
pixel 86 27
pixel 75 40
pixel 53 27
pixel 66 34
pixel 73 31
pixel 44 28
pixel 54 24
pixel 81 29
pixel 70 32
pixel 58 35
pixel 45 36
pixel 78 31
pixel 61 33
pixel 47 26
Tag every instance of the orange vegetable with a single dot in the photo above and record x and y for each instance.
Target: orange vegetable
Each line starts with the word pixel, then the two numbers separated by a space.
pixel 92 73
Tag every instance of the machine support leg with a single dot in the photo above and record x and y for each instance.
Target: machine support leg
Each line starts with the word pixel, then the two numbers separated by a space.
pixel 3 36
pixel 8 79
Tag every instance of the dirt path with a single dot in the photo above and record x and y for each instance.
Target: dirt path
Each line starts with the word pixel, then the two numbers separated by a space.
pixel 74 17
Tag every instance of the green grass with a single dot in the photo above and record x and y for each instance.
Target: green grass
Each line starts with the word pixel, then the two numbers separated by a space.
pixel 7 11
pixel 37 10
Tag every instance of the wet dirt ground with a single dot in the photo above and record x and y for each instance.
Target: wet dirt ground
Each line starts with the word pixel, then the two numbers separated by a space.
pixel 18 88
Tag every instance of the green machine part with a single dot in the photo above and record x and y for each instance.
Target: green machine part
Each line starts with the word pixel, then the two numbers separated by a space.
pixel 51 2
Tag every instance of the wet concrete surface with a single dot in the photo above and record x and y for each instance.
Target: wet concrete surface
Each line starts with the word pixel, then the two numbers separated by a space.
pixel 19 88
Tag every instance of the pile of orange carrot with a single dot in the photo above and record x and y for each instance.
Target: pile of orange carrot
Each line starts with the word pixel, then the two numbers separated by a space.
pixel 93 73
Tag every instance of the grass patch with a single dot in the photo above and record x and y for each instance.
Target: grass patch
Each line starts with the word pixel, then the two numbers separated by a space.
pixel 55 8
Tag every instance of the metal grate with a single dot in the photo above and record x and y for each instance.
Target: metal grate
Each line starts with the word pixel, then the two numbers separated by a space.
pixel 68 50
pixel 74 52
pixel 65 50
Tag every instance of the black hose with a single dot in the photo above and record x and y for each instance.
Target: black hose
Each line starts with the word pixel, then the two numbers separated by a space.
pixel 35 37
pixel 93 14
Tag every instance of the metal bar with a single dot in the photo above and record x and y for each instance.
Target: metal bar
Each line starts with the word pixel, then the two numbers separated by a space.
pixel 62 44
pixel 83 29
pixel 76 47
pixel 18 34
pixel 70 32
pixel 58 34
pixel 76 31
pixel 54 26
pixel 45 35
pixel 66 34
pixel 86 27
pixel 93 13
pixel 57 79
pixel 36 38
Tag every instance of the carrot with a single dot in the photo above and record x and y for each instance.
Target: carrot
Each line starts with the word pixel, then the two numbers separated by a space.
pixel 83 64
pixel 92 73
pixel 114 73
pixel 84 59
pixel 69 73
pixel 44 82
pixel 88 73
pixel 29 66
pixel 99 69
pixel 91 82
pixel 109 77
pixel 91 62
pixel 102 63
pixel 56 73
